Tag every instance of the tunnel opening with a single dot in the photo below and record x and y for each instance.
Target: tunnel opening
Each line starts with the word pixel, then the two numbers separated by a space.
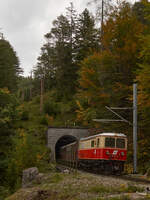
pixel 64 140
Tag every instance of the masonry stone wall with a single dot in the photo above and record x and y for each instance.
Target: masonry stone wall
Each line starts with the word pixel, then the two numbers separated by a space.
pixel 54 134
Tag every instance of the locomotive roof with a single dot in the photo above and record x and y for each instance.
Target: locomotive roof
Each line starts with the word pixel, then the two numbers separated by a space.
pixel 105 134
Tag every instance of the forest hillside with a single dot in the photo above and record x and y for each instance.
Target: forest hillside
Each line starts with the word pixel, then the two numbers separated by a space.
pixel 82 68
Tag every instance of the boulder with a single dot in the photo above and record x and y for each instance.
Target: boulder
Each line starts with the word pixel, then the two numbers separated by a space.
pixel 39 178
pixel 29 175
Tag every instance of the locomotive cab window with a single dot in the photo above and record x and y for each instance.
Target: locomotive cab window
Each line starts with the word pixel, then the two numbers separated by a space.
pixel 92 143
pixel 110 142
pixel 120 143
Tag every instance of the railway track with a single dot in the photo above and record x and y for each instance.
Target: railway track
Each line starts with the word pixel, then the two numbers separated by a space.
pixel 132 178
pixel 128 177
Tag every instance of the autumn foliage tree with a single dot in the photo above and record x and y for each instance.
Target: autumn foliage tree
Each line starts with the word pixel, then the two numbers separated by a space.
pixel 95 86
pixel 121 39
pixel 143 80
pixel 106 78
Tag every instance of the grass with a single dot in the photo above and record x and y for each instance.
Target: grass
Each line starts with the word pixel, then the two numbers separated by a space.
pixel 130 188
pixel 123 197
pixel 56 178
pixel 77 187
pixel 100 189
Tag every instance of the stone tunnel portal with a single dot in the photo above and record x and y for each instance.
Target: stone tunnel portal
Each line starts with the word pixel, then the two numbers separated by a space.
pixel 59 136
pixel 64 140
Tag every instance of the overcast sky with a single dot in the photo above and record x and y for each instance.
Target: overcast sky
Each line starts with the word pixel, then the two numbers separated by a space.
pixel 24 23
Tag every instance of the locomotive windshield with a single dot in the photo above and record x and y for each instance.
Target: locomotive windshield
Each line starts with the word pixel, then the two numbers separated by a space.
pixel 110 142
pixel 120 143
pixel 114 143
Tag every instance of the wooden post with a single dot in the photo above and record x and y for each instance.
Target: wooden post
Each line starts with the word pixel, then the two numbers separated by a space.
pixel 41 98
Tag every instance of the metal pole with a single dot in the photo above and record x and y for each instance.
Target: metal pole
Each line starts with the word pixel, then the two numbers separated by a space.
pixel 102 15
pixel 102 19
pixel 134 128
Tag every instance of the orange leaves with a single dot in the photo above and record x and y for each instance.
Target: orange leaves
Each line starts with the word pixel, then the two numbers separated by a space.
pixel 104 95
pixel 79 105
pixel 50 120
pixel 40 156
pixel 93 86
pixel 120 87
pixel 121 32
pixel 85 83
pixel 89 69
pixel 105 78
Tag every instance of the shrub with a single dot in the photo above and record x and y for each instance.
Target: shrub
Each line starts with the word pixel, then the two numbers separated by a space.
pixel 3 192
pixel 134 188
pixel 36 100
pixel 25 115
pixel 44 121
pixel 27 151
pixel 51 108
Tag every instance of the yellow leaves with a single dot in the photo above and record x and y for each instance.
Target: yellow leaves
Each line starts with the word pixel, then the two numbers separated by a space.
pixel 4 90
pixel 143 99
pixel 40 156
pixel 145 153
pixel 80 115
pixel 79 105
pixel 80 111
pixel 50 120
pixel 128 168
pixel 21 133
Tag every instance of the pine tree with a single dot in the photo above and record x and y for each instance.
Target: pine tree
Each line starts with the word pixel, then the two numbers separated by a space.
pixel 87 36
pixel 9 66
pixel 57 57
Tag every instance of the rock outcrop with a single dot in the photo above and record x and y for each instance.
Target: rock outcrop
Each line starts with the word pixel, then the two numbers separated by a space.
pixel 29 175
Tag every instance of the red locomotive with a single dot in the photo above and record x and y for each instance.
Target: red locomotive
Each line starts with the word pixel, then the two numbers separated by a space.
pixel 104 151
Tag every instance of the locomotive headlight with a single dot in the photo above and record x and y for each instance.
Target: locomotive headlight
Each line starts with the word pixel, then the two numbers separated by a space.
pixel 107 152
pixel 122 153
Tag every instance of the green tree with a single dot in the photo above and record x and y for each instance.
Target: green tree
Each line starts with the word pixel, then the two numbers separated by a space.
pixel 56 59
pixel 27 151
pixel 8 115
pixel 69 41
pixel 143 80
pixel 142 74
pixel 87 36
pixel 25 88
pixel 9 66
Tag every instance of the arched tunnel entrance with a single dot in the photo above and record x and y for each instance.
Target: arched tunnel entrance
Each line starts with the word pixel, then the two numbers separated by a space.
pixel 64 140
